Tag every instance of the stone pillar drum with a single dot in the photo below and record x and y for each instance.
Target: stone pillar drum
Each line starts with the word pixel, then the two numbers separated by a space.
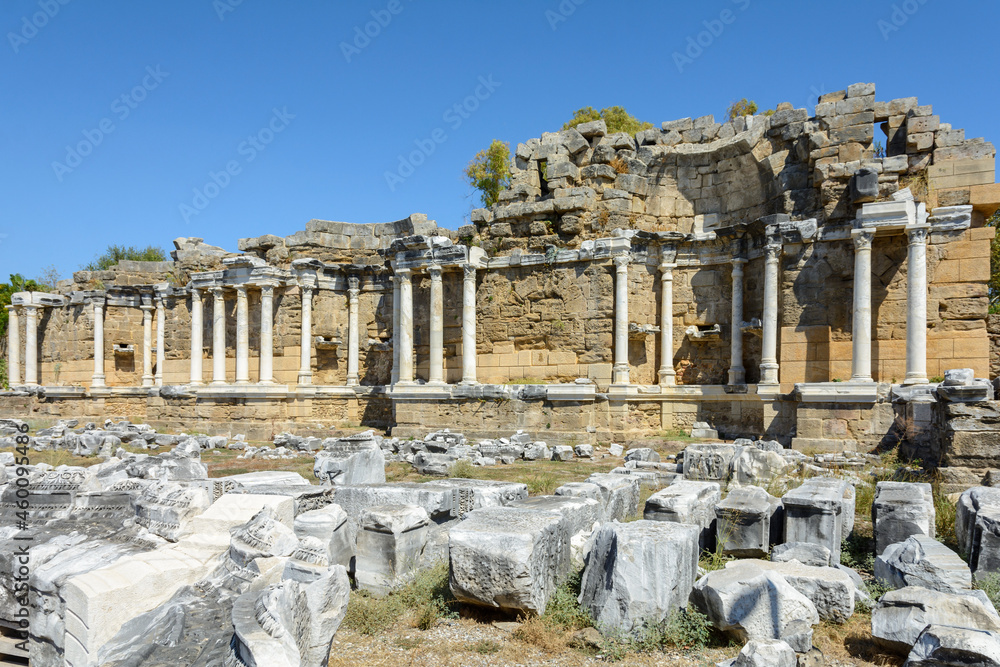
pixel 395 331
pixel 305 358
pixel 469 325
pixel 667 374
pixel 197 328
pixel 31 345
pixel 147 344
pixel 161 353
pixel 737 374
pixel 218 336
pixel 405 326
pixel 242 335
pixel 266 334
pixel 436 374
pixel 769 322
pixel 861 335
pixel 353 333
pixel 13 347
pixel 620 370
pixel 916 306
pixel 98 379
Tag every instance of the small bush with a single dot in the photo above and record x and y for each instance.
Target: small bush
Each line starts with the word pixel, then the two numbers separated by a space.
pixel 4 379
pixel 990 584
pixel 536 632
pixel 423 601
pixel 858 552
pixel 743 107
pixel 684 629
pixel 944 519
pixel 485 647
pixel 619 165
pixel 563 609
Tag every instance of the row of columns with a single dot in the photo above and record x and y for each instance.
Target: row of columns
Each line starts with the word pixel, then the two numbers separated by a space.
pixel 266 371
pixel 402 318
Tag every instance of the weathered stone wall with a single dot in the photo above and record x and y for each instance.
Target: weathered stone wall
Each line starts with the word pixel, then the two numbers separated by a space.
pixel 993 329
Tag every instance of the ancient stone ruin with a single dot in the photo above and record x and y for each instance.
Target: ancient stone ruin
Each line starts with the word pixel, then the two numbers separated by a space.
pixel 778 287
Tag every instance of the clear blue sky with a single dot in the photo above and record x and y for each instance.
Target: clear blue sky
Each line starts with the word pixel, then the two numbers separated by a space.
pixel 218 70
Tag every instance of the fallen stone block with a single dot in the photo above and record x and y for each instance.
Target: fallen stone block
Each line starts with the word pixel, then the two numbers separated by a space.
pixel 620 493
pixel 754 466
pixel 428 463
pixel 330 526
pixel 922 561
pixel 966 511
pixel 820 511
pixel 562 453
pixel 583 516
pixel 709 462
pixel 390 544
pixel 510 558
pixel 942 645
pixel 763 653
pixel 830 590
pixel 642 454
pixel 638 572
pixel 687 502
pixel 901 509
pixel 806 553
pixel 756 605
pixel 748 521
pixel 901 615
pixel 363 466
pixel 164 508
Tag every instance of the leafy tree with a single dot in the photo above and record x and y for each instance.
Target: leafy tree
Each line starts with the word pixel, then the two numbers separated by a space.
pixel 616 118
pixel 118 253
pixel 742 108
pixel 994 284
pixel 49 277
pixel 18 283
pixel 489 171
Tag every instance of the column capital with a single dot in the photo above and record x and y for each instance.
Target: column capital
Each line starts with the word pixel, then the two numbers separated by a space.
pixel 147 309
pixel 217 291
pixel 241 290
pixel 404 272
pixel 267 289
pixel 862 238
pixel 918 234
pixel 435 271
pixel 469 272
pixel 30 308
pixel 196 293
pixel 307 291
pixel 667 270
pixel 353 285
pixel 773 250
pixel 622 261
pixel 668 254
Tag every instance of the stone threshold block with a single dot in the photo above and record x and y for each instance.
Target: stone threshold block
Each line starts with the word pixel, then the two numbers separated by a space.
pixel 687 502
pixel 901 509
pixel 638 572
pixel 390 544
pixel 820 511
pixel 748 521
pixel 511 558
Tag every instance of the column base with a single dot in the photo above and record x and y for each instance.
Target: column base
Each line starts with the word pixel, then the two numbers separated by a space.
pixel 219 383
pixel 737 376
pixel 147 381
pixel 265 382
pixel 668 377
pixel 352 382
pixel 96 381
pixel 437 383
pixel 768 373
pixel 305 379
pixel 196 383
pixel 468 382
pixel 620 374
pixel 921 379
pixel 861 378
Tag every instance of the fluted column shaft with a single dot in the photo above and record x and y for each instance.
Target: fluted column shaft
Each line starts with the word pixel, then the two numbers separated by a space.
pixel 405 326
pixel 13 347
pixel 197 344
pixel 469 325
pixel 31 345
pixel 353 334
pixel 667 374
pixel 218 336
pixel 98 379
pixel 861 336
pixel 737 374
pixel 266 334
pixel 769 322
pixel 620 370
pixel 305 358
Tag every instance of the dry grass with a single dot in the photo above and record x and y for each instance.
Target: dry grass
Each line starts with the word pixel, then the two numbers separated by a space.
pixel 851 643
pixel 619 165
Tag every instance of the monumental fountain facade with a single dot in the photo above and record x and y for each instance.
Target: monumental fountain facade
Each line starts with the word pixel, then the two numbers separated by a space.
pixel 786 275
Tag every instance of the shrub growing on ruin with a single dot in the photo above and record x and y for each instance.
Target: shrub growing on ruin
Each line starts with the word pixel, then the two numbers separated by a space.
pixel 18 283
pixel 743 107
pixel 119 253
pixel 994 283
pixel 489 171
pixel 616 118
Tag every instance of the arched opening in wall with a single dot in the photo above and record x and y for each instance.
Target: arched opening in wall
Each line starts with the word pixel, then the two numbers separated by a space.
pixel 543 182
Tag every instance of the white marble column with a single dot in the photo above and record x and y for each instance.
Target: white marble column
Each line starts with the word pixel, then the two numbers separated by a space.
pixel 916 306
pixel 218 336
pixel 353 343
pixel 147 344
pixel 394 378
pixel 30 344
pixel 197 344
pixel 242 336
pixel 469 325
pixel 861 335
pixel 769 322
pixel 436 375
pixel 620 370
pixel 737 374
pixel 667 374
pixel 405 326
pixel 161 353
pixel 305 355
pixel 13 347
pixel 98 379
pixel 266 334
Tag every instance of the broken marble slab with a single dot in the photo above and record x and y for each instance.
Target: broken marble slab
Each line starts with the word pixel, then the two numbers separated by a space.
pixel 361 466
pixel 638 572
pixel 329 525
pixel 922 561
pixel 940 645
pixel 806 553
pixel 689 502
pixel 583 516
pixel 164 508
pixel 820 511
pixel 511 558
pixel 901 615
pixel 620 494
pixel 748 521
pixel 829 589
pixel 901 509
pixel 709 461
pixel 390 544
